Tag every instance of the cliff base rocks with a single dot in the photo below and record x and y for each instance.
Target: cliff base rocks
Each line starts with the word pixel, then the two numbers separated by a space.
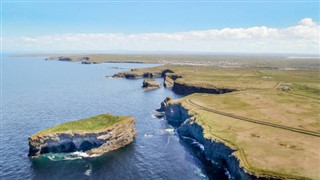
pixel 164 103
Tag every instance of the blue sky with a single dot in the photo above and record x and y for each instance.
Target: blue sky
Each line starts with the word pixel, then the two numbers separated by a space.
pixel 90 17
pixel 52 18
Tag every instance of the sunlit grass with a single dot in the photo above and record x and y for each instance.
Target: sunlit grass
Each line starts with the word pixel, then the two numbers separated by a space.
pixel 91 124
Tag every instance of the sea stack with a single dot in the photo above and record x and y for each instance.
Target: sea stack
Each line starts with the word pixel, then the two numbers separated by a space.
pixel 150 84
pixel 164 103
pixel 95 136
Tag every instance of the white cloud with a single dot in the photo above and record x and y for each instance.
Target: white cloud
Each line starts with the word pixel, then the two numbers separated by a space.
pixel 307 22
pixel 302 38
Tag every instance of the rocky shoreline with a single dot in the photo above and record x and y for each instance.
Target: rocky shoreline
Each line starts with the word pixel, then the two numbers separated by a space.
pixel 215 151
pixel 93 143
pixel 170 81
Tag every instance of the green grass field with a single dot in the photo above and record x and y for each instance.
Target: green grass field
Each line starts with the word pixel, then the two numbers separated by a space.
pixel 264 150
pixel 305 82
pixel 91 124
pixel 196 59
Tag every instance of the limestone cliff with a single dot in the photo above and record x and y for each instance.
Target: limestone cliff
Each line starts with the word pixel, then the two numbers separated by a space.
pixel 168 82
pixel 164 103
pixel 150 84
pixel 62 58
pixel 175 80
pixel 137 74
pixel 186 89
pixel 219 153
pixel 94 143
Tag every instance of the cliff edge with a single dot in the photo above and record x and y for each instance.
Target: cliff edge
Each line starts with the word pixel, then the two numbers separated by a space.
pixel 249 147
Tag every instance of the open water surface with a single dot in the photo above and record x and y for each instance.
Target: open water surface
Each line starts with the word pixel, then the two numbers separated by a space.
pixel 38 94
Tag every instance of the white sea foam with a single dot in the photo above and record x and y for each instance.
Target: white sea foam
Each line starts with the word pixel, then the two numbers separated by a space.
pixel 148 135
pixel 68 156
pixel 194 142
pixel 63 157
pixel 88 171
pixel 201 146
pixel 51 158
pixel 227 173
pixel 83 154
pixel 199 172
pixel 72 158
pixel 167 131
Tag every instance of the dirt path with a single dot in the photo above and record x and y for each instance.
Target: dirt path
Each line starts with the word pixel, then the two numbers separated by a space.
pixel 278 85
pixel 302 131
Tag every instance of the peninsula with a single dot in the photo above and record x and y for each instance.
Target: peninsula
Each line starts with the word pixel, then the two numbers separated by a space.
pixel 257 117
pixel 261 122
pixel 95 135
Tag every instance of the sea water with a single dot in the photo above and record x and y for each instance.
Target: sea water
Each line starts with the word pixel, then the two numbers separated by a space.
pixel 37 94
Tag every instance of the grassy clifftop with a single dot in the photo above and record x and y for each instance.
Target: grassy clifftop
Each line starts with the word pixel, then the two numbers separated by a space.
pixel 269 147
pixel 284 142
pixel 305 82
pixel 92 124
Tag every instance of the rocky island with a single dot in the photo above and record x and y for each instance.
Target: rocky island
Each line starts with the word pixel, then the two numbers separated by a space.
pixel 95 135
pixel 150 84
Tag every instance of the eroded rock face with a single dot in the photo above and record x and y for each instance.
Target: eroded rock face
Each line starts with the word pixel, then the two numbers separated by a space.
pixel 85 62
pixel 147 75
pixel 184 89
pixel 84 59
pixel 164 103
pixel 215 151
pixel 164 72
pixel 134 74
pixel 150 84
pixel 168 82
pixel 111 138
pixel 62 58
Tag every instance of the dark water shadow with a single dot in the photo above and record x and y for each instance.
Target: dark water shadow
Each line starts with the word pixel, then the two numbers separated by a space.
pixel 212 170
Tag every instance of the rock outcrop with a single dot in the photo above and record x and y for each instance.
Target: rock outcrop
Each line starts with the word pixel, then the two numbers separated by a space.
pixel 93 143
pixel 164 103
pixel 186 89
pixel 150 84
pixel 134 74
pixel 160 115
pixel 84 59
pixel 137 74
pixel 147 75
pixel 85 62
pixel 168 82
pixel 62 58
pixel 173 80
pixel 164 72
